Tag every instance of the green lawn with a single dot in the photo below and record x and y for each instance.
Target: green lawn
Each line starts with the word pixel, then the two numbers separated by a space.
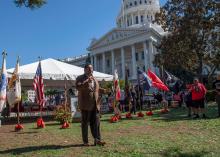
pixel 160 135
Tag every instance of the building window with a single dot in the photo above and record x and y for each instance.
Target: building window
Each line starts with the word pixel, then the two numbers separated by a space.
pixel 135 2
pixel 142 18
pixel 130 4
pixel 136 56
pixel 136 20
pixel 145 1
pixel 128 72
pixel 142 55
pixel 150 2
pixel 144 68
pixel 140 2
pixel 108 63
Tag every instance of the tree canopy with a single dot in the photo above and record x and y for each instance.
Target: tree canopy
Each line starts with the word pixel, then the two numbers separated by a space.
pixel 193 35
pixel 32 4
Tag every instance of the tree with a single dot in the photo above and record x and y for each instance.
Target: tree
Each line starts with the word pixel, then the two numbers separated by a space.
pixel 193 35
pixel 30 3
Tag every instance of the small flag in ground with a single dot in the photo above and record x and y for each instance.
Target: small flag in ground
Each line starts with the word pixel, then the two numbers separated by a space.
pixel 116 86
pixel 156 82
pixel 14 87
pixel 170 77
pixel 144 80
pixel 39 86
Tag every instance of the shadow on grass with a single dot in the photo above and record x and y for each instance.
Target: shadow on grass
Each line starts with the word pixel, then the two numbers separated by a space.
pixel 180 114
pixel 18 151
pixel 176 152
pixel 53 124
pixel 26 132
pixel 13 120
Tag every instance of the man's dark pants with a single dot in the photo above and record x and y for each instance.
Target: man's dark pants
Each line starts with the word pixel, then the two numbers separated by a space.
pixel 91 118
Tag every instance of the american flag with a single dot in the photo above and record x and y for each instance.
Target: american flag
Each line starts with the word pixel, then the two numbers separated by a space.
pixel 143 79
pixel 117 86
pixel 39 86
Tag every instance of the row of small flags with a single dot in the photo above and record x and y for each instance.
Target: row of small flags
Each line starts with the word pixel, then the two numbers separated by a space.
pixel 11 91
pixel 148 80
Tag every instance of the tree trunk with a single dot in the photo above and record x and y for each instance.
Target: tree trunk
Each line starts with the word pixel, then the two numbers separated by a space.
pixel 200 68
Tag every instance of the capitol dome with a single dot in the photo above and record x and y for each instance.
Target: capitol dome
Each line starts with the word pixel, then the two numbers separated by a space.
pixel 137 13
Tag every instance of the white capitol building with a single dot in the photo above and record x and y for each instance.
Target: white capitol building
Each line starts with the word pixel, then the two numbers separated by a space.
pixel 131 43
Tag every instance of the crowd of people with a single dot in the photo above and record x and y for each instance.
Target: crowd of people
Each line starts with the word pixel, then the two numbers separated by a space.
pixel 193 97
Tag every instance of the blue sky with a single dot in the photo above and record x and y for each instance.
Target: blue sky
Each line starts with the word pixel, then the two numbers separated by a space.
pixel 59 29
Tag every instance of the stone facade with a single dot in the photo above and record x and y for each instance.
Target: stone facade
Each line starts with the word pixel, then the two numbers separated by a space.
pixel 132 43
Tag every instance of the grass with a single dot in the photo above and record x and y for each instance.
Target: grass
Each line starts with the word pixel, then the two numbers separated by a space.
pixel 168 135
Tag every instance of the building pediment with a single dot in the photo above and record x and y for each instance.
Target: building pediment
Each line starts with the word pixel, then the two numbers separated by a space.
pixel 116 35
pixel 120 34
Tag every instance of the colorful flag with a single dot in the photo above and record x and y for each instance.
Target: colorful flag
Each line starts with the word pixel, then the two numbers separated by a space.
pixel 14 87
pixel 3 83
pixel 156 82
pixel 173 82
pixel 170 77
pixel 144 80
pixel 39 86
pixel 117 86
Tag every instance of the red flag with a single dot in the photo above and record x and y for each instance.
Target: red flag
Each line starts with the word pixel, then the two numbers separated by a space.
pixel 116 86
pixel 39 86
pixel 156 82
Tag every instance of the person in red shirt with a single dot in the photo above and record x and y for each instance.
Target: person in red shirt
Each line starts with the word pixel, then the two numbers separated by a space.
pixel 198 91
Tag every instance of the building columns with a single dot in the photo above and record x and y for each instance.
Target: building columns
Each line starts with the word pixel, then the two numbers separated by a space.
pixel 103 62
pixel 150 54
pixel 95 62
pixel 146 59
pixel 123 62
pixel 113 61
pixel 92 60
pixel 132 19
pixel 134 63
pixel 139 18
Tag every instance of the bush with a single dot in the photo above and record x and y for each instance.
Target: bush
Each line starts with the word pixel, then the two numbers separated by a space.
pixel 210 95
pixel 62 115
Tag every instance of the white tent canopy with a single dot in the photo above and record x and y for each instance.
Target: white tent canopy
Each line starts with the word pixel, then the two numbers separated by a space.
pixel 53 70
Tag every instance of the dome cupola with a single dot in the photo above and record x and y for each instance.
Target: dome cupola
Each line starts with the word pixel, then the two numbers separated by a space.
pixel 136 13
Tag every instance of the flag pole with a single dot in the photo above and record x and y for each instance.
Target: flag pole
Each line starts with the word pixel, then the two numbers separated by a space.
pixel 139 102
pixel 18 116
pixel 114 101
pixel 18 107
pixel 40 122
pixel 65 90
pixel 39 58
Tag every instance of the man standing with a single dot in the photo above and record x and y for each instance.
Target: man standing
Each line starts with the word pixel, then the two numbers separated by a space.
pixel 89 104
pixel 198 98
pixel 216 86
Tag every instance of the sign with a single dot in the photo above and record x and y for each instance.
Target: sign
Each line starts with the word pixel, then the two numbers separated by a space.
pixel 75 108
